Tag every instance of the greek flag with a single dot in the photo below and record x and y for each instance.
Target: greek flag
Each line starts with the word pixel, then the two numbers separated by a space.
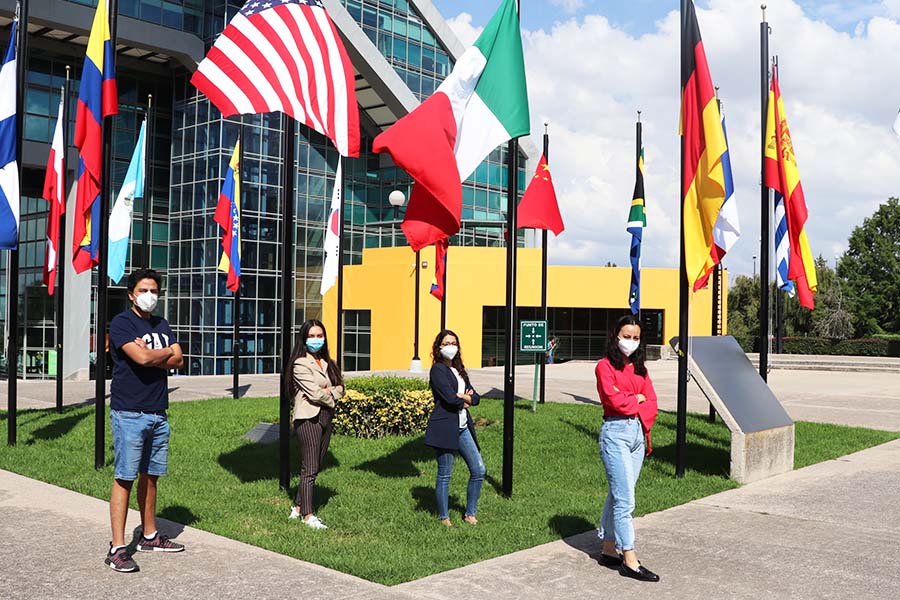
pixel 782 247
pixel 120 219
pixel 9 169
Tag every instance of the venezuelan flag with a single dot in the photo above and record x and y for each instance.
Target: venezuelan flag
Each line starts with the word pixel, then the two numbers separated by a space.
pixel 97 99
pixel 781 174
pixel 704 144
pixel 228 216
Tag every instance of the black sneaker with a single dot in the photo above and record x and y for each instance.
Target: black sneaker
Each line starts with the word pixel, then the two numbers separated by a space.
pixel 160 543
pixel 121 561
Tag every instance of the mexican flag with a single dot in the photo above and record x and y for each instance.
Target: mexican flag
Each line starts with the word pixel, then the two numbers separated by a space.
pixel 480 105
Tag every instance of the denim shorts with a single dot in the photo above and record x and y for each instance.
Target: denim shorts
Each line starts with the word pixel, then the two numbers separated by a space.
pixel 141 443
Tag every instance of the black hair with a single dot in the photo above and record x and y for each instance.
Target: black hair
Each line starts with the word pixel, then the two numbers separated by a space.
pixel 136 276
pixel 334 372
pixel 457 362
pixel 615 356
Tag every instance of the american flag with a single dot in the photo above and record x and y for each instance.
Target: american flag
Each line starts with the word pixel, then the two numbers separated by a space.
pixel 284 55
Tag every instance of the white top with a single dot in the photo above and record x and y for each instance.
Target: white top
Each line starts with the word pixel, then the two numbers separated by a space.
pixel 461 389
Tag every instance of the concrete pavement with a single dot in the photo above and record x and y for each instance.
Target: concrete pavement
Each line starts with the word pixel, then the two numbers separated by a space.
pixel 826 531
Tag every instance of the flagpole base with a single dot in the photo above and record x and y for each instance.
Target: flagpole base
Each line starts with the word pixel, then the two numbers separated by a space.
pixel 415 366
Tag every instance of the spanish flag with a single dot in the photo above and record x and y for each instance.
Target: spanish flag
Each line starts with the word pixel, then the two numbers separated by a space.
pixel 781 174
pixel 703 141
pixel 96 99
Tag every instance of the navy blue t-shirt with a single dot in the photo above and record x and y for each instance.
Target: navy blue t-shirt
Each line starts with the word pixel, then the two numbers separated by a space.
pixel 135 387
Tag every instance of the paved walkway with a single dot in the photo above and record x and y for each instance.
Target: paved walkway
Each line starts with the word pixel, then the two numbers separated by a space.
pixel 827 531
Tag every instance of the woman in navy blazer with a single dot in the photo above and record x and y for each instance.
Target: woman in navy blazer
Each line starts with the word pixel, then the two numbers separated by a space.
pixel 450 428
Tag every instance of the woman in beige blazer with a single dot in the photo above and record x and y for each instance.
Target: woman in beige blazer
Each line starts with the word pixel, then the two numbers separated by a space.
pixel 315 383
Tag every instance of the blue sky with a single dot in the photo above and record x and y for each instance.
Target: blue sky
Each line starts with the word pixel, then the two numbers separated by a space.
pixel 637 17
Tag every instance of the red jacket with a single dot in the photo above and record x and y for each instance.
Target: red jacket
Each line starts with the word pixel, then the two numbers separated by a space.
pixel 618 392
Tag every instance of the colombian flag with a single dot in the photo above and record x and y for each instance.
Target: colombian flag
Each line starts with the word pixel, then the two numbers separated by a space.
pixel 781 174
pixel 96 100
pixel 440 268
pixel 703 141
pixel 228 216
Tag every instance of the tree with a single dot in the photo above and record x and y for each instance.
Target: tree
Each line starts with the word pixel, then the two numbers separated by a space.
pixel 743 311
pixel 870 271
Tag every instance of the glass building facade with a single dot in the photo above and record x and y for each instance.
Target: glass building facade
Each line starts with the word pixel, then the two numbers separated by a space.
pixel 191 146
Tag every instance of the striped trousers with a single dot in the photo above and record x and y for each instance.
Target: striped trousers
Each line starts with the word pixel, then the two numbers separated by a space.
pixel 314 436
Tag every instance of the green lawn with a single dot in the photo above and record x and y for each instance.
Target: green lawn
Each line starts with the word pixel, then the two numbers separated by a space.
pixel 377 495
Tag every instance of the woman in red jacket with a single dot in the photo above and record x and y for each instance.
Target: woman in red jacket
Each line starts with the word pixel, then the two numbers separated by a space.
pixel 629 409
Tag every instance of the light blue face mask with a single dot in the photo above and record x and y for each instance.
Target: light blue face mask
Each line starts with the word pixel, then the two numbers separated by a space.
pixel 314 344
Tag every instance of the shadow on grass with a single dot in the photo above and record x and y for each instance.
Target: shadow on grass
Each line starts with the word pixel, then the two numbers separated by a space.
pixel 401 462
pixel 241 390
pixel 259 462
pixel 581 428
pixel 57 427
pixel 700 457
pixel 181 515
pixel 568 525
pixel 426 501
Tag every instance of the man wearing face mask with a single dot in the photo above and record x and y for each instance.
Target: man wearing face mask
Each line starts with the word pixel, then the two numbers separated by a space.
pixel 143 350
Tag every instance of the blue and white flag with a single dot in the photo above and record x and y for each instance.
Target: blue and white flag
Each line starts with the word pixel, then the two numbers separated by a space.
pixel 782 247
pixel 9 170
pixel 120 219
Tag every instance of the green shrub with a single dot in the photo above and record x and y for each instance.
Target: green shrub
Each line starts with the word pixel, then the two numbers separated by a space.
pixel 375 407
pixel 825 346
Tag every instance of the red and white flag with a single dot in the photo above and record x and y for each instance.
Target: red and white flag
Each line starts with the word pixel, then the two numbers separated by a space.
pixel 333 235
pixel 284 55
pixel 55 194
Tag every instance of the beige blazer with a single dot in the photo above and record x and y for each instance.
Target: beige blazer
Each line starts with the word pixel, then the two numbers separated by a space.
pixel 311 380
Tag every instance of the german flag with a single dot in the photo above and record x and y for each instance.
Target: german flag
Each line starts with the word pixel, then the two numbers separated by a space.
pixel 781 174
pixel 703 144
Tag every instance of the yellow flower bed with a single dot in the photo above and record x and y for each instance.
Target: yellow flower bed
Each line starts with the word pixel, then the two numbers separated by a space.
pixel 383 413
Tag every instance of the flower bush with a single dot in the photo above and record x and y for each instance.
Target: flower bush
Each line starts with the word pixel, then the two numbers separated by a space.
pixel 375 407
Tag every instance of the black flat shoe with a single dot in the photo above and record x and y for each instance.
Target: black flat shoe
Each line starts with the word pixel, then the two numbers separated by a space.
pixel 610 561
pixel 641 574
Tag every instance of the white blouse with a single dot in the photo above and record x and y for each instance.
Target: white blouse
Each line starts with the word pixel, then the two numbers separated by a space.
pixel 461 389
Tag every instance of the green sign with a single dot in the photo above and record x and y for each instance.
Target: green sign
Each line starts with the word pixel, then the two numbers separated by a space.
pixel 532 336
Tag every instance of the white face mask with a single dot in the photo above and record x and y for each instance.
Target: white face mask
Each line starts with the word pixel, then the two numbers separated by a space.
pixel 628 346
pixel 449 352
pixel 146 301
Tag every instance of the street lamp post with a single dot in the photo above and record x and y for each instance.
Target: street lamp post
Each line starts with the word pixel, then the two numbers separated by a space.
pixel 396 199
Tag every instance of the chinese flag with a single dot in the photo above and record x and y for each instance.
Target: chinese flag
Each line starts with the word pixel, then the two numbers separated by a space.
pixel 539 208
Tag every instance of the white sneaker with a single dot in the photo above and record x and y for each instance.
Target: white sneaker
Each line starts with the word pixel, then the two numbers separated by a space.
pixel 315 523
pixel 295 513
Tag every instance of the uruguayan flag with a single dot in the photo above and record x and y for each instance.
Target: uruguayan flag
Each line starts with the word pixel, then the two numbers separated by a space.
pixel 9 170
pixel 782 247
pixel 120 219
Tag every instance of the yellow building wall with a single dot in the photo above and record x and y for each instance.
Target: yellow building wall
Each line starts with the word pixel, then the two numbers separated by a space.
pixel 476 277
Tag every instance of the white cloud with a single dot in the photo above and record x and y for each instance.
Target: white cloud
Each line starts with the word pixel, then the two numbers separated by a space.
pixel 588 78
pixel 462 26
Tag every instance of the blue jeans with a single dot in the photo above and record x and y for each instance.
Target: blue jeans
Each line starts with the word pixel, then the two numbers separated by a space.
pixel 469 451
pixel 141 443
pixel 622 452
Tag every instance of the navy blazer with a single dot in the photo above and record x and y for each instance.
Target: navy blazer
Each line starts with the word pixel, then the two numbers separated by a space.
pixel 443 425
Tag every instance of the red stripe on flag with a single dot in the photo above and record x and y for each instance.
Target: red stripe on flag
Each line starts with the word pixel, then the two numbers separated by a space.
pixel 313 107
pixel 216 96
pixel 326 59
pixel 353 133
pixel 286 58
pixel 259 59
pixel 239 78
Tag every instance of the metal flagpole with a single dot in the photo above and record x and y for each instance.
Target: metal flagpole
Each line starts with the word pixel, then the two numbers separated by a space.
pixel 543 367
pixel 236 301
pixel 12 268
pixel 148 183
pixel 61 249
pixel 716 291
pixel 683 296
pixel 764 204
pixel 444 287
pixel 339 354
pixel 103 268
pixel 287 292
pixel 639 131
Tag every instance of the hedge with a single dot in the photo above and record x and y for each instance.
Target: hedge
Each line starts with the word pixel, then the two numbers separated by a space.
pixel 376 407
pixel 815 345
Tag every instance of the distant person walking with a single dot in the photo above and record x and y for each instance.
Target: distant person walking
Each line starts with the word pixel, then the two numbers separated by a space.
pixel 143 349
pixel 629 410
pixel 552 345
pixel 450 428
pixel 315 383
